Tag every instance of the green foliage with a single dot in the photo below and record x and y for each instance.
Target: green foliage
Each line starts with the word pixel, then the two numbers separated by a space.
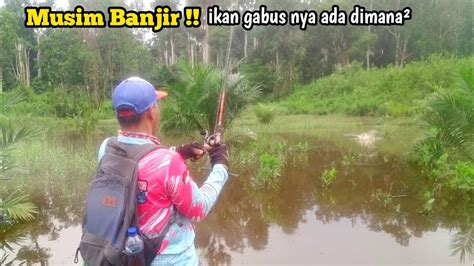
pixel 389 91
pixel 349 160
pixel 449 117
pixel 463 178
pixel 446 152
pixel 328 176
pixel 265 158
pixel 463 243
pixel 264 114
pixel 193 101
pixel 17 208
pixel 270 169
pixel 259 75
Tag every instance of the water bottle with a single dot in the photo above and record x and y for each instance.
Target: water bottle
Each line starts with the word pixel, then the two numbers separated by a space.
pixel 133 244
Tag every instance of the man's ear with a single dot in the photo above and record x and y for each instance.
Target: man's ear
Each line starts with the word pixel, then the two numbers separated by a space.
pixel 151 113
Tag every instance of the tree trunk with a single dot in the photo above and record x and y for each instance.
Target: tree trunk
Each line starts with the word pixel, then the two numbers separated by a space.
pixel 26 53
pixel 18 63
pixel 397 50
pixel 245 43
pixel 38 55
pixel 369 49
pixel 229 45
pixel 192 54
pixel 173 56
pixel 277 62
pixel 205 45
pixel 403 53
pixel 1 79
pixel 188 45
pixel 166 54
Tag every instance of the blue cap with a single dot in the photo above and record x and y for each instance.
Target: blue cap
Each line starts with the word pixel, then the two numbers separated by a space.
pixel 134 96
pixel 132 231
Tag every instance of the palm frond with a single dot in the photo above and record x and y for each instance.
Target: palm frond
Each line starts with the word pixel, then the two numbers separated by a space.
pixel 10 136
pixel 6 162
pixel 451 113
pixel 10 100
pixel 463 243
pixel 194 100
pixel 18 208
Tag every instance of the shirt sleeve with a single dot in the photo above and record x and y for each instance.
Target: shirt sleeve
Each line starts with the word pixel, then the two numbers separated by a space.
pixel 102 149
pixel 190 200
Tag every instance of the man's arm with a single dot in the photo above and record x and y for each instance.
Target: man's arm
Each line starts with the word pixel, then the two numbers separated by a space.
pixel 190 200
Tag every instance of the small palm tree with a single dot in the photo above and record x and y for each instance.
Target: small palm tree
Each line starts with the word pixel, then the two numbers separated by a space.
pixel 13 208
pixel 450 117
pixel 193 101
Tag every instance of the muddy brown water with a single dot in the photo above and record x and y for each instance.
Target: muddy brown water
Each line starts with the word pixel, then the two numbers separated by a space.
pixel 371 214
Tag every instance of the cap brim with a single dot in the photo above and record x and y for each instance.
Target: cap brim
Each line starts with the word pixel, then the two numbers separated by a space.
pixel 161 94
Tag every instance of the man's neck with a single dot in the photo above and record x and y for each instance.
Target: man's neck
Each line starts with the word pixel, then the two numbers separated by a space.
pixel 139 135
pixel 138 130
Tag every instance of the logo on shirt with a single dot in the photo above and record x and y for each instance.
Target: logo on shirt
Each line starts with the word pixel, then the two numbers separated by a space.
pixel 142 185
pixel 141 197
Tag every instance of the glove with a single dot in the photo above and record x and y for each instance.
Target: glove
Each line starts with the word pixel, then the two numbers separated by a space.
pixel 219 155
pixel 192 150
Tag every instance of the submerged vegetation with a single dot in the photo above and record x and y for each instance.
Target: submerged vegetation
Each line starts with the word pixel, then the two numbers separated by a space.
pixel 265 157
pixel 328 176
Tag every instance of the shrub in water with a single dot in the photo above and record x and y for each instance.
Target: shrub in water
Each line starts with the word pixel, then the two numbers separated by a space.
pixel 264 114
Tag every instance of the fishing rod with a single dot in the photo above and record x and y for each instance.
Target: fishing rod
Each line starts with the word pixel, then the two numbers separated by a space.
pixel 216 138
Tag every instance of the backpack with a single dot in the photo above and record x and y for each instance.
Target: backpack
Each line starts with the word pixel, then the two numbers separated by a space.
pixel 111 208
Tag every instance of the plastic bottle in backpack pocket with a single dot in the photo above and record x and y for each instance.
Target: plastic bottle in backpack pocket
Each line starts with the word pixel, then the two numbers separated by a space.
pixel 134 243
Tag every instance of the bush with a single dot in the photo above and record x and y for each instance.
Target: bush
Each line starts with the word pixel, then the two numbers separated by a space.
pixel 389 91
pixel 264 114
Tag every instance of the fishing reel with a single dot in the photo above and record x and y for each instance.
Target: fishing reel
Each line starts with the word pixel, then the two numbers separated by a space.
pixel 213 140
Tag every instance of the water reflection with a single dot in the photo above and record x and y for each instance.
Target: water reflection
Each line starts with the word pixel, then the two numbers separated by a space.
pixel 371 194
pixel 463 243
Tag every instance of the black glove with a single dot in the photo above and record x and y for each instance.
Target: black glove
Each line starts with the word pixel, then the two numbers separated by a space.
pixel 219 155
pixel 191 151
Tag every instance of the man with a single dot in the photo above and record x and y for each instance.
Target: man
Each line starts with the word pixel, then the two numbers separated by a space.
pixel 165 188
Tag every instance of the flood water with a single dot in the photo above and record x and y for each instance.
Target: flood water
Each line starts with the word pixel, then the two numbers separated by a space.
pixel 371 214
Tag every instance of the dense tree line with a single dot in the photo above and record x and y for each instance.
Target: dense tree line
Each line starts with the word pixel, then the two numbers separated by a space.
pixel 91 61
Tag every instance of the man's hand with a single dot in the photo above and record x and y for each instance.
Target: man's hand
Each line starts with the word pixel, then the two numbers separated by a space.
pixel 219 155
pixel 192 150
